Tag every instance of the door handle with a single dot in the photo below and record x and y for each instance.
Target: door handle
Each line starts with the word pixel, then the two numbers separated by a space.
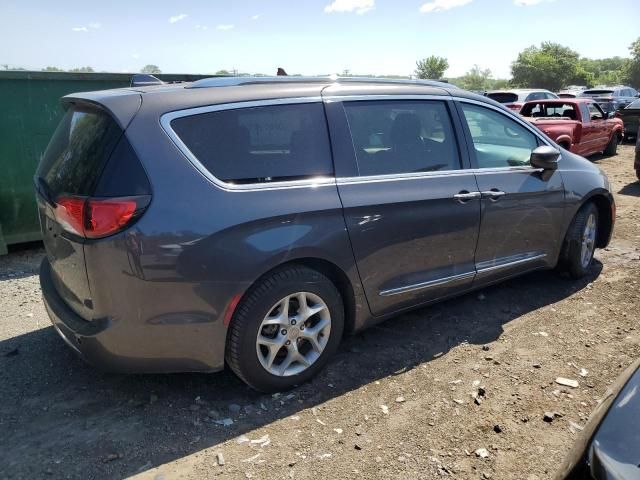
pixel 464 196
pixel 493 194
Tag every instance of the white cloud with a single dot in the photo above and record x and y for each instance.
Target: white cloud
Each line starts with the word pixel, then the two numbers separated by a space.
pixel 95 25
pixel 80 29
pixel 225 27
pixel 135 55
pixel 358 6
pixel 177 18
pixel 202 27
pixel 255 17
pixel 441 5
pixel 528 3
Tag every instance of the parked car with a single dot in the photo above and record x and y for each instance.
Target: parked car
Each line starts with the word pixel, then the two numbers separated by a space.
pixel 636 163
pixel 252 221
pixel 630 116
pixel 577 124
pixel 514 99
pixel 612 98
pixel 572 91
pixel 608 448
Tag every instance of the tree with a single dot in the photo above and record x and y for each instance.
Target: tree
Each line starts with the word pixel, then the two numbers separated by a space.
pixel 550 66
pixel 476 79
pixel 631 68
pixel 52 69
pixel 82 70
pixel 151 69
pixel 431 67
pixel 223 72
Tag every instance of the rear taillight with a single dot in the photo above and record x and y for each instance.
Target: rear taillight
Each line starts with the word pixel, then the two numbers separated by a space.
pixel 514 106
pixel 70 214
pixel 98 217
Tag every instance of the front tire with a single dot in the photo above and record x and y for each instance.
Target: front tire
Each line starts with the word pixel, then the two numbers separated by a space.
pixel 285 329
pixel 580 242
pixel 612 146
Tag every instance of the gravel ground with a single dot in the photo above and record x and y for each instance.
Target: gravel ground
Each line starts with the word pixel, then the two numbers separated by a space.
pixel 397 401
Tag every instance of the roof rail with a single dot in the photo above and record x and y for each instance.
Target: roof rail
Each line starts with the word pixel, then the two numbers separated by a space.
pixel 250 80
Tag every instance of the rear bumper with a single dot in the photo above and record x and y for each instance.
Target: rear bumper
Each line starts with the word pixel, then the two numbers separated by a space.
pixel 113 346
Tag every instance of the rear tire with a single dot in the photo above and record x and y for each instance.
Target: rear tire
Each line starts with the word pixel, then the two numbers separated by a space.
pixel 275 340
pixel 580 242
pixel 612 146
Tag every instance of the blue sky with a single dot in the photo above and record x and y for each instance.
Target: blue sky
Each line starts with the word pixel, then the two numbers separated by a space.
pixel 309 37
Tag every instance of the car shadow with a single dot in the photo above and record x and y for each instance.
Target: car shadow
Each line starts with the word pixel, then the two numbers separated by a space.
pixel 631 189
pixel 63 418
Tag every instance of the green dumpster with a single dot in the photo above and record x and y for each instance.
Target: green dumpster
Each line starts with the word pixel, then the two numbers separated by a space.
pixel 30 113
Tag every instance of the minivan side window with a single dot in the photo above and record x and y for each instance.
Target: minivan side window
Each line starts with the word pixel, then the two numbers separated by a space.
pixel 402 136
pixel 498 140
pixel 260 144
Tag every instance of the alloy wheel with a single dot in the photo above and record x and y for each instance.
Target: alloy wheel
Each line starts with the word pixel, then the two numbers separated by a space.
pixel 588 241
pixel 293 334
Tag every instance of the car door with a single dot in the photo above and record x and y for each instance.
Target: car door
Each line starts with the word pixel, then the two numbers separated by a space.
pixel 598 121
pixel 412 212
pixel 522 207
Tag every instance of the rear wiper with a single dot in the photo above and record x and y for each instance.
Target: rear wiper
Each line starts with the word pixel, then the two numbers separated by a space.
pixel 43 190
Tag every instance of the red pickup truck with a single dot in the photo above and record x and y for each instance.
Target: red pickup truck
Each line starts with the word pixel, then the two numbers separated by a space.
pixel 577 124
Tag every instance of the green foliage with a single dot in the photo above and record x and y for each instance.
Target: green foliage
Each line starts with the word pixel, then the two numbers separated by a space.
pixel 151 69
pixel 478 79
pixel 603 71
pixel 52 69
pixel 432 67
pixel 223 72
pixel 631 68
pixel 550 66
pixel 82 70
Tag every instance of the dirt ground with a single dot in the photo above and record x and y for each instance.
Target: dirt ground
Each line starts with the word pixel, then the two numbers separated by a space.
pixel 396 402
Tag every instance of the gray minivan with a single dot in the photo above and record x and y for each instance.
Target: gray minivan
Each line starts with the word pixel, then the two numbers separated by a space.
pixel 254 221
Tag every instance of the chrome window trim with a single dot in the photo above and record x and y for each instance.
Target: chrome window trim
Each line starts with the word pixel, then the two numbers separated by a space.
pixel 423 285
pixel 438 174
pixel 167 118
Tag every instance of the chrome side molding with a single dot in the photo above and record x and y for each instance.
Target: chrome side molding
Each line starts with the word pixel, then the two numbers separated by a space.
pixel 462 276
pixel 423 285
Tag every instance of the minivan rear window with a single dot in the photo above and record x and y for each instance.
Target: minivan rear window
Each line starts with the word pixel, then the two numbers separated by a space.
pixel 503 97
pixel 78 150
pixel 597 93
pixel 259 144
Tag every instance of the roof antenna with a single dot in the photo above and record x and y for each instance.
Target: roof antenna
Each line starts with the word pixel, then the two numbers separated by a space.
pixel 144 80
pixel 281 72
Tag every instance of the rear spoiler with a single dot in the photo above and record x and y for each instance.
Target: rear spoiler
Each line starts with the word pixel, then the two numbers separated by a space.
pixel 145 80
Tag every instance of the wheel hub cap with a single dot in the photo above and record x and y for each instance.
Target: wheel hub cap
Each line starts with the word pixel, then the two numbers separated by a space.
pixel 293 334
pixel 588 241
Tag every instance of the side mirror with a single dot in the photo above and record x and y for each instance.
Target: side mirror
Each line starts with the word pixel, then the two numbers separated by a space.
pixel 611 115
pixel 545 157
